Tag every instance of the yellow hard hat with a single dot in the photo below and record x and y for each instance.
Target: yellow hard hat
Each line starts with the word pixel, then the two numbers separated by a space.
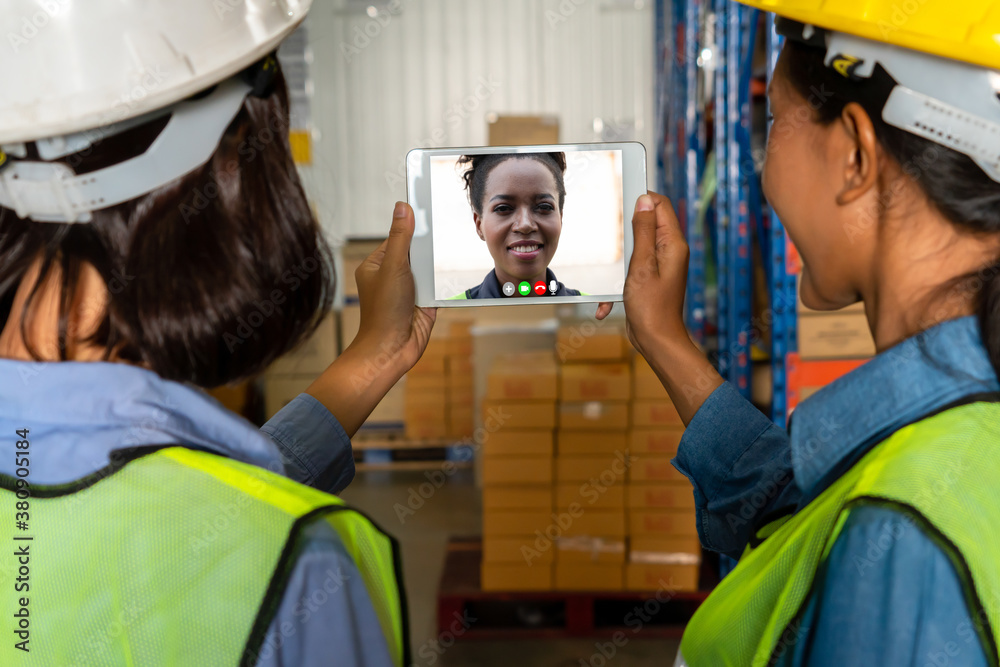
pixel 968 31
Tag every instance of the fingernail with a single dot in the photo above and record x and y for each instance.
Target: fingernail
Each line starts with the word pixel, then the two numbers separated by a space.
pixel 645 203
pixel 400 210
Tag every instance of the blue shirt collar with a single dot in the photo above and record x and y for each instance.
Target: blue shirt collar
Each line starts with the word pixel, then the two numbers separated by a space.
pixel 77 413
pixel 841 422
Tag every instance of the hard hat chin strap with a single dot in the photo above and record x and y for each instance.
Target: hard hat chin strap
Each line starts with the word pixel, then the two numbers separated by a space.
pixel 52 192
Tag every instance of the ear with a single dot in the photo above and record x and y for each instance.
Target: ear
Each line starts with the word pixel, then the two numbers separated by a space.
pixel 860 150
pixel 479 224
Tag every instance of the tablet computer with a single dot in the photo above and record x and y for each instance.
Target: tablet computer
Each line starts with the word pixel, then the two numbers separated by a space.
pixel 507 225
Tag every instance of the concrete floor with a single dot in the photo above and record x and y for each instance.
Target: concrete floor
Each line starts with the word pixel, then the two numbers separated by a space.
pixel 455 509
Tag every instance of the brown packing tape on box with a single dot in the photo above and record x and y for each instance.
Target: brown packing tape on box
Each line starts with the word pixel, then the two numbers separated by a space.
pixel 590 550
pixel 516 577
pixel 661 441
pixel 589 342
pixel 589 496
pixel 594 415
pixel 666 495
pixel 515 522
pixel 591 522
pixel 606 470
pixel 595 382
pixel 515 415
pixel 662 523
pixel 589 443
pixel 834 336
pixel 523 376
pixel 516 550
pixel 520 470
pixel 511 443
pixel 533 497
pixel 645 384
pixel 588 577
pixel 650 577
pixel 646 468
pixel 646 413
pixel 681 544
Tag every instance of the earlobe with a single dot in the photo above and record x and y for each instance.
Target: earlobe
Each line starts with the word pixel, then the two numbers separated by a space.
pixel 479 225
pixel 861 154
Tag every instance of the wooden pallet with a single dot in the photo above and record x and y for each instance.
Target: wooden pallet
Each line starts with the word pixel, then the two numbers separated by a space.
pixel 547 614
pixel 391 450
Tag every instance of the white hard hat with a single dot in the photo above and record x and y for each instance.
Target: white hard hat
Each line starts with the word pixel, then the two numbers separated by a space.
pixel 83 73
pixel 71 66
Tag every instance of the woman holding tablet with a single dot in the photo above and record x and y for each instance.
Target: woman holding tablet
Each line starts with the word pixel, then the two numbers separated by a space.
pixel 517 203
pixel 866 534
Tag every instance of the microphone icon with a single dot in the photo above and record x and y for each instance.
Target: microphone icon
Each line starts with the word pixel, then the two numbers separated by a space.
pixel 553 287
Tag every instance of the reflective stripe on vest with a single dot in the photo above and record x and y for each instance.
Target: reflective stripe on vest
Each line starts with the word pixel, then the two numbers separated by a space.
pixel 177 557
pixel 942 470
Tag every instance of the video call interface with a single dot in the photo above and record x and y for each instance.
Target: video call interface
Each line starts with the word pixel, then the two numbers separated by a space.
pixel 540 224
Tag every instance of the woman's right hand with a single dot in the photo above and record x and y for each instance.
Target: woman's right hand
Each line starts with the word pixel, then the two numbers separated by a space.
pixel 654 306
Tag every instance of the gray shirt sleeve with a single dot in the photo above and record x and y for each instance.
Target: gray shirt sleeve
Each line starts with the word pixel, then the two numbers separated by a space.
pixel 326 616
pixel 314 446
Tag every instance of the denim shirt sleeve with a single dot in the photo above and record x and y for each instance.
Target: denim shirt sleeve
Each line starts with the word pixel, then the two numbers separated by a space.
pixel 314 446
pixel 886 595
pixel 740 465
pixel 326 616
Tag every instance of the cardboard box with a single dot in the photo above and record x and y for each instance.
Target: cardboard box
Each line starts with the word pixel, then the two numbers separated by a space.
pixel 654 469
pixel 835 336
pixel 590 550
pixel 518 444
pixel 460 366
pixel 426 422
pixel 461 421
pixel 458 347
pixel 460 396
pixel 279 390
pixel 516 577
pixel 516 522
pixel 516 550
pixel 606 470
pixel 417 399
pixel 589 443
pixel 588 342
pixel 520 470
pixel 350 322
pixel 589 496
pixel 594 415
pixel 533 497
pixel 313 355
pixel 649 549
pixel 592 523
pixel 516 415
pixel 662 523
pixel 595 382
pixel 651 577
pixel 646 413
pixel 645 384
pixel 666 495
pixel 352 254
pixel 421 385
pixel 391 410
pixel 588 577
pixel 662 441
pixel 510 130
pixel 431 363
pixel 523 376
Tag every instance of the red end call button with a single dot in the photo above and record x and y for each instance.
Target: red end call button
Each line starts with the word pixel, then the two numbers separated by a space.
pixel 540 288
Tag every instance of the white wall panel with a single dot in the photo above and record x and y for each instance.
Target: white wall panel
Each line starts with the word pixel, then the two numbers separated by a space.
pixel 421 77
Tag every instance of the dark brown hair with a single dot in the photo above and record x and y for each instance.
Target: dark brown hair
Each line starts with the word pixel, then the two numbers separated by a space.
pixel 211 277
pixel 478 168
pixel 954 184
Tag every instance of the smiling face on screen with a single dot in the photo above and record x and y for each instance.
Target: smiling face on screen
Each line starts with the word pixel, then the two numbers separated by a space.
pixel 520 219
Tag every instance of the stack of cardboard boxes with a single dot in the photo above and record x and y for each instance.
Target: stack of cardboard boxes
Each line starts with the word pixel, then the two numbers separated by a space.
pixel 461 380
pixel 663 538
pixel 289 376
pixel 426 411
pixel 519 418
pixel 592 458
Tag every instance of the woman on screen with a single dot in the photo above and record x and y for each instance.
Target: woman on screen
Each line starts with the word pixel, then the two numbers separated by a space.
pixel 517 202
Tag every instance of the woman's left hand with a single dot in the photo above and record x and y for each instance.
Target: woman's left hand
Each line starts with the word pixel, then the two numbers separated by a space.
pixel 391 324
pixel 392 336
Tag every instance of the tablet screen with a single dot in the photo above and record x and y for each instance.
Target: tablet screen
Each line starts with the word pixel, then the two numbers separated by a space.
pixel 537 224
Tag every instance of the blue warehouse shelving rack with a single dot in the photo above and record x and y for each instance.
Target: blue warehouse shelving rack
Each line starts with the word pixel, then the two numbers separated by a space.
pixel 705 89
